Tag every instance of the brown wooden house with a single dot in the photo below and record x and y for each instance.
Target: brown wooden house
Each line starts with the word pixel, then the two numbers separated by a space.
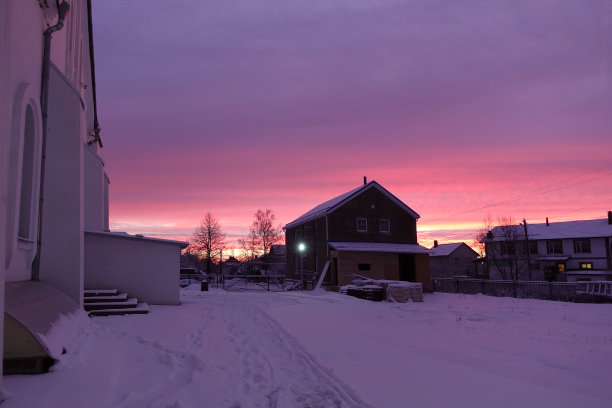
pixel 366 232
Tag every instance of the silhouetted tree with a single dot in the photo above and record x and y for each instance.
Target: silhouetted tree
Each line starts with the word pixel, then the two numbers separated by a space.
pixel 265 231
pixel 506 248
pixel 208 240
pixel 249 246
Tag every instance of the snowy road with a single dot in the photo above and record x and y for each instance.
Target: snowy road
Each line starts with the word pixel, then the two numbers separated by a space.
pixel 221 349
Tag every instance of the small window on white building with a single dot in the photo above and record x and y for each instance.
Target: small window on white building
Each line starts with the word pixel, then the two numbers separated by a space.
pixel 586 265
pixel 384 225
pixel 362 225
pixel 533 247
pixel 506 248
pixel 27 176
pixel 582 246
pixel 554 246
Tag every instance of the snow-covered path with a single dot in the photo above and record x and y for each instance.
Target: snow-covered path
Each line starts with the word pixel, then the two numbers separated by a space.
pixel 221 349
pixel 215 350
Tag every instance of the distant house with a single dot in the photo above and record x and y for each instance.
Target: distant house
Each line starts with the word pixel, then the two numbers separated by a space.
pixel 275 260
pixel 454 259
pixel 365 232
pixel 55 240
pixel 231 266
pixel 278 250
pixel 564 251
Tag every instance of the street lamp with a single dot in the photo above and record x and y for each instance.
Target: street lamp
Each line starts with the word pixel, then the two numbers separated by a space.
pixel 301 249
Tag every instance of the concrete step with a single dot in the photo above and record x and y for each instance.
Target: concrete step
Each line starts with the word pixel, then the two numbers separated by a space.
pixel 99 292
pixel 120 297
pixel 105 302
pixel 140 308
pixel 130 302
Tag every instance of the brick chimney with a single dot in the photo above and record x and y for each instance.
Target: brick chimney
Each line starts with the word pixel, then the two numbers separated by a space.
pixel 610 217
pixel 435 243
pixel 365 180
pixel 547 224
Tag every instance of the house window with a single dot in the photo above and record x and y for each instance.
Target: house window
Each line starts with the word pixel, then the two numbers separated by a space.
pixel 554 246
pixel 586 265
pixel 307 233
pixel 363 267
pixel 506 248
pixel 582 246
pixel 384 225
pixel 362 224
pixel 561 267
pixel 533 247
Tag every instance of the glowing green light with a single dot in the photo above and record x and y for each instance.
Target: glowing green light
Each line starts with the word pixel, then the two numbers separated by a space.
pixel 301 247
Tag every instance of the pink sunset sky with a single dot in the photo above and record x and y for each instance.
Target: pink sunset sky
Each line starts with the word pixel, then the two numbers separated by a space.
pixel 459 108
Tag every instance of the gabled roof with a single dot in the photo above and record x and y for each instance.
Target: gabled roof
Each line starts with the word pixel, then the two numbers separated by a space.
pixel 446 249
pixel 562 230
pixel 278 249
pixel 330 206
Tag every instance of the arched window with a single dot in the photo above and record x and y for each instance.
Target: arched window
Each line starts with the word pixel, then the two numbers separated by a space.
pixel 27 175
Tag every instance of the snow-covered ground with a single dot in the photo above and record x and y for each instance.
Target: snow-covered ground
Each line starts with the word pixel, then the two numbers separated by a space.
pixel 223 349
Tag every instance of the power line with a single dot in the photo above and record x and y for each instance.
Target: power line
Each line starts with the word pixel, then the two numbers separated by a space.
pixel 542 190
pixel 609 199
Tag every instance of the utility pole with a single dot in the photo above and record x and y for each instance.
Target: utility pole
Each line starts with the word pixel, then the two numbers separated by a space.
pixel 527 249
pixel 301 249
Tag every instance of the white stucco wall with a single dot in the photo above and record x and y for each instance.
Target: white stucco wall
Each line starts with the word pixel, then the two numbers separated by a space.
pixel 145 268
pixel 106 198
pixel 21 27
pixel 94 190
pixel 63 218
pixel 21 79
pixel 4 141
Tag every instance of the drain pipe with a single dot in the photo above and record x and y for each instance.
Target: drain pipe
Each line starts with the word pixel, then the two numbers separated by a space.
pixel 62 11
pixel 92 64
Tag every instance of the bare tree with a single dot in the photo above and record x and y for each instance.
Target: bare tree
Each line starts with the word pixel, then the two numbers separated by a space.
pixel 266 232
pixel 249 246
pixel 506 249
pixel 208 240
pixel 479 241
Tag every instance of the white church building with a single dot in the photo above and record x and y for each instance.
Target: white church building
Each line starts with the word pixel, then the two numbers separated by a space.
pixel 54 226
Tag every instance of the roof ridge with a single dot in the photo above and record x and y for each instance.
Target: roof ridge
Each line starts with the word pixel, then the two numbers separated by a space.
pixel 328 206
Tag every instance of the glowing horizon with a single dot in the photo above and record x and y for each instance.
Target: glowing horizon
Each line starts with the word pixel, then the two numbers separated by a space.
pixel 457 109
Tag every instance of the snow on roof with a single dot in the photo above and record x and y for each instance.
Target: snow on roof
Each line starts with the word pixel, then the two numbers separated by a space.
pixel 330 205
pixel 125 235
pixel 563 230
pixel 444 249
pixel 379 247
